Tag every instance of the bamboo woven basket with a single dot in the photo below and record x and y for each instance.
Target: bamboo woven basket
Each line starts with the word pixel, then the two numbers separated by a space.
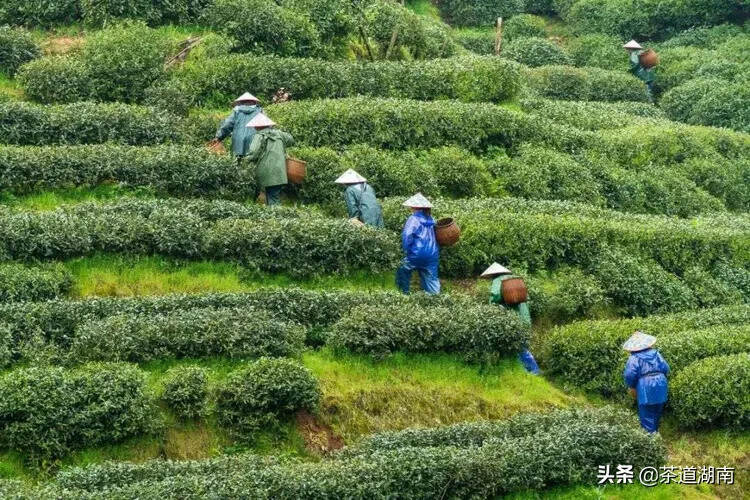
pixel 295 170
pixel 649 59
pixel 514 291
pixel 447 232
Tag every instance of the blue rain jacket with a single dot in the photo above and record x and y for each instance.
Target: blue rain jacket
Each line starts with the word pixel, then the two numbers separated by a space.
pixel 418 240
pixel 236 124
pixel 646 372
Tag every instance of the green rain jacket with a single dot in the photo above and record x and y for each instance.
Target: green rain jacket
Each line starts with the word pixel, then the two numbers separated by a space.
pixel 496 297
pixel 647 75
pixel 268 150
pixel 362 204
pixel 236 124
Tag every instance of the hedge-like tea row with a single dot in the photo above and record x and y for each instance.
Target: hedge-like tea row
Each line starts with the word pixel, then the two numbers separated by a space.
pixel 595 115
pixel 545 235
pixel 24 283
pixel 478 12
pixel 47 412
pixel 24 124
pixel 468 434
pixel 648 19
pixel 58 320
pixel 172 169
pixel 714 392
pixel 566 454
pixel 220 80
pixel 481 333
pixel 586 84
pixel 238 333
pixel 589 353
pixel 270 242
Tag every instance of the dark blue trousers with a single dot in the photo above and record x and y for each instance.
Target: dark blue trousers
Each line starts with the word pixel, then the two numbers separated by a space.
pixel 650 416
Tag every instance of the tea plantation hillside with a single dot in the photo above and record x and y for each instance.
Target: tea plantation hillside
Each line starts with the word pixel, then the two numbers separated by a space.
pixel 164 335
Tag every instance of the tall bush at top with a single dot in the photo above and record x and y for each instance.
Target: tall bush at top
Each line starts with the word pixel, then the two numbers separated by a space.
pixel 524 25
pixel 534 52
pixel 39 13
pixel 478 12
pixel 264 27
pixel 123 61
pixel 103 12
pixel 16 48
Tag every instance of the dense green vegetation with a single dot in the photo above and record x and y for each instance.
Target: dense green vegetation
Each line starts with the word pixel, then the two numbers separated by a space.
pixel 149 309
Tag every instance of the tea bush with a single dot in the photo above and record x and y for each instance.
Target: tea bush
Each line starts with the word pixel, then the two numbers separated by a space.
pixel 565 454
pixel 16 48
pixel 478 13
pixel 238 333
pixel 265 393
pixel 535 52
pixel 416 36
pixel 39 13
pixel 405 124
pixel 99 13
pixel 264 241
pixel 709 101
pixel 272 29
pixel 713 392
pixel 478 41
pixel 574 295
pixel 648 19
pixel 466 78
pixel 589 353
pixel 599 51
pixel 186 392
pixel 480 333
pixel 23 283
pixel 48 412
pixel 594 115
pixel 58 320
pixel 56 79
pixel 524 26
pixel 24 124
pixel 703 36
pixel 539 7
pixel 170 169
pixel 545 235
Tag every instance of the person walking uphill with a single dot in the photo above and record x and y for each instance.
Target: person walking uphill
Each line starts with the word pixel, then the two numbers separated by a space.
pixel 646 374
pixel 420 246
pixel 268 151
pixel 245 108
pixel 361 202
pixel 499 274
pixel 637 69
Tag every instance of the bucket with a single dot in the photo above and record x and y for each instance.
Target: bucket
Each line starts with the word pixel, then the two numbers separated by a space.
pixel 447 232
pixel 295 170
pixel 648 59
pixel 514 291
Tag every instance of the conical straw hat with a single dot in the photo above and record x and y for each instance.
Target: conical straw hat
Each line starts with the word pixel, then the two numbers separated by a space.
pixel 418 201
pixel 247 96
pixel 638 342
pixel 632 44
pixel 494 270
pixel 261 120
pixel 350 177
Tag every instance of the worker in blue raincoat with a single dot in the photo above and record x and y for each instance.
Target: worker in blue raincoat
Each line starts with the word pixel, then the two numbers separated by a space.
pixel 637 69
pixel 420 246
pixel 245 108
pixel 498 274
pixel 646 376
pixel 361 203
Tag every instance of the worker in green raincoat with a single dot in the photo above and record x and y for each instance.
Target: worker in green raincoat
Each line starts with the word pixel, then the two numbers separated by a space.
pixel 361 202
pixel 499 274
pixel 245 108
pixel 637 69
pixel 268 151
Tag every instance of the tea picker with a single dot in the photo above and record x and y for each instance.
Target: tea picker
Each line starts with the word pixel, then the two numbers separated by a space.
pixel 421 250
pixel 245 108
pixel 510 291
pixel 645 375
pixel 642 64
pixel 361 202
pixel 268 151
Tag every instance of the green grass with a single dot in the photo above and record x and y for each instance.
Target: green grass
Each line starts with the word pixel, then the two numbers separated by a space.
pixel 424 8
pixel 51 199
pixel 111 275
